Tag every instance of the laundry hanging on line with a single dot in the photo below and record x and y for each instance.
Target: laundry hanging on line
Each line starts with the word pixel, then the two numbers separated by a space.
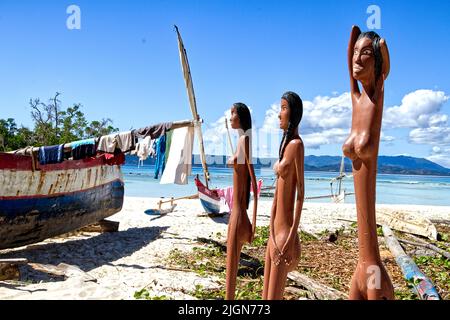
pixel 160 148
pixel 154 131
pixel 51 154
pixel 226 194
pixel 179 156
pixel 144 149
pixel 125 141
pixel 83 149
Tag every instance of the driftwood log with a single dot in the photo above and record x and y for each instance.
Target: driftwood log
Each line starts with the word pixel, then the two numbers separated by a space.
pixel 63 269
pixel 9 268
pixel 317 290
pixel 428 246
pixel 245 260
pixel 440 221
pixel 102 226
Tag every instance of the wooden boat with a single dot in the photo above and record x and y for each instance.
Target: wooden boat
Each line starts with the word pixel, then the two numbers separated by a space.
pixel 209 199
pixel 49 200
pixel 42 201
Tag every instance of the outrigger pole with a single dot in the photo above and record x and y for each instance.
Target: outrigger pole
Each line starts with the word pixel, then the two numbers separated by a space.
pixel 192 102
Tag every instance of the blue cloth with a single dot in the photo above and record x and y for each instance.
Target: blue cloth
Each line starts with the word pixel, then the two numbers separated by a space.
pixel 160 150
pixel 78 143
pixel 51 154
pixel 84 151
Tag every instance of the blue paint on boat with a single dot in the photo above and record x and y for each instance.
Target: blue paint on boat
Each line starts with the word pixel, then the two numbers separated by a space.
pixel 29 220
pixel 54 206
pixel 210 207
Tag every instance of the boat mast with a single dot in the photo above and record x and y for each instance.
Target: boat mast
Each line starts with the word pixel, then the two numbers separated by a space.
pixel 192 102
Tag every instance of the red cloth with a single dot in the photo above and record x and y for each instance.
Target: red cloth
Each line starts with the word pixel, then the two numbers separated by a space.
pixel 114 159
pixel 227 193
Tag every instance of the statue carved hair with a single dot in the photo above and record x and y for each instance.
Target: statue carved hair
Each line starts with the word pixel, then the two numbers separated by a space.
pixel 295 116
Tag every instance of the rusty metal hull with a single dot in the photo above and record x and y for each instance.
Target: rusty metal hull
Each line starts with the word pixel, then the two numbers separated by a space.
pixel 54 199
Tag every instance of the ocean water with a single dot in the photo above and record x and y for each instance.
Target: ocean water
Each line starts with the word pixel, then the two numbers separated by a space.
pixel 391 188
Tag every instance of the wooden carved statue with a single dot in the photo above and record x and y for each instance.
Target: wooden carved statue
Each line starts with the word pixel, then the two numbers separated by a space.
pixel 368 63
pixel 240 230
pixel 283 247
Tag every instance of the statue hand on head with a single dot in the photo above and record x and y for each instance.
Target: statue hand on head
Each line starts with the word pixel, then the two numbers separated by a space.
pixel 386 58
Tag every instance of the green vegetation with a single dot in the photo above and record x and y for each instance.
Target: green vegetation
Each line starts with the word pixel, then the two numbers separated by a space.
pixel 405 294
pixel 261 236
pixel 145 295
pixel 52 125
pixel 380 231
pixel 330 262
pixel 438 270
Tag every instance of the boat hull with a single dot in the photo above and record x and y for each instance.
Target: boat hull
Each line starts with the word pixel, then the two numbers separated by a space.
pixel 55 199
pixel 209 199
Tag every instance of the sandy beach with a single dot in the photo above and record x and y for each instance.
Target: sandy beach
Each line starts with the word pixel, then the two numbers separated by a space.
pixel 116 265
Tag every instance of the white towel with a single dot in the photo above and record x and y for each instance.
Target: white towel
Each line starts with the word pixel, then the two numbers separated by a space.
pixel 179 161
pixel 144 148
pixel 107 143
pixel 124 141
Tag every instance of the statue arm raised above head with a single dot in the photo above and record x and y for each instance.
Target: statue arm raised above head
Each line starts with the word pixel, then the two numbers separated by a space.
pixel 379 92
pixel 386 58
pixel 350 51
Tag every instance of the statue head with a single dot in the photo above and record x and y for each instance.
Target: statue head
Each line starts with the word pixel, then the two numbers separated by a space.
pixel 290 116
pixel 240 117
pixel 367 57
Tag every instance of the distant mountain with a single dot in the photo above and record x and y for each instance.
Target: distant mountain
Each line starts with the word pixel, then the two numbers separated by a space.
pixel 386 164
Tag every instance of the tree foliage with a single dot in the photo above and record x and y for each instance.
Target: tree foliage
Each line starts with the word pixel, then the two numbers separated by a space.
pixel 53 125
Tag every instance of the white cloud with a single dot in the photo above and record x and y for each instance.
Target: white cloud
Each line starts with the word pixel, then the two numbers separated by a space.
pixel 327 113
pixel 418 109
pixel 330 136
pixel 385 138
pixel 431 136
pixel 327 120
pixel 442 157
pixel 271 121
pixel 437 150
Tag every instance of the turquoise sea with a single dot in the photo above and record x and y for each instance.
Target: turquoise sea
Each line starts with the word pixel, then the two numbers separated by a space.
pixel 391 189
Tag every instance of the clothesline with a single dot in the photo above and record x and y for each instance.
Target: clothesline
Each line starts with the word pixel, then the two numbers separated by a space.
pixel 176 124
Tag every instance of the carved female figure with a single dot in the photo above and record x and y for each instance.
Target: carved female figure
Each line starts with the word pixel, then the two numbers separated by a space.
pixel 368 63
pixel 240 230
pixel 283 247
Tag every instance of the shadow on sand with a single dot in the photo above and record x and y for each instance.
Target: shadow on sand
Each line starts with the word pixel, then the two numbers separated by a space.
pixel 87 254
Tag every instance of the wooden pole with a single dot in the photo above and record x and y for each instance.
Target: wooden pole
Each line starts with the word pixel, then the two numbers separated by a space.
pixel 191 95
pixel 194 196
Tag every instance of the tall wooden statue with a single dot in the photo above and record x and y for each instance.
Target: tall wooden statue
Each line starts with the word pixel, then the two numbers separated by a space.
pixel 368 63
pixel 283 247
pixel 240 230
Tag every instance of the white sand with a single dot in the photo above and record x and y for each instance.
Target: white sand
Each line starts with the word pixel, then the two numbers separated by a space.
pixel 134 258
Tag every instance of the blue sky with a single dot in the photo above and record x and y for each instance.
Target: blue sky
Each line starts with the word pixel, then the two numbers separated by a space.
pixel 123 64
